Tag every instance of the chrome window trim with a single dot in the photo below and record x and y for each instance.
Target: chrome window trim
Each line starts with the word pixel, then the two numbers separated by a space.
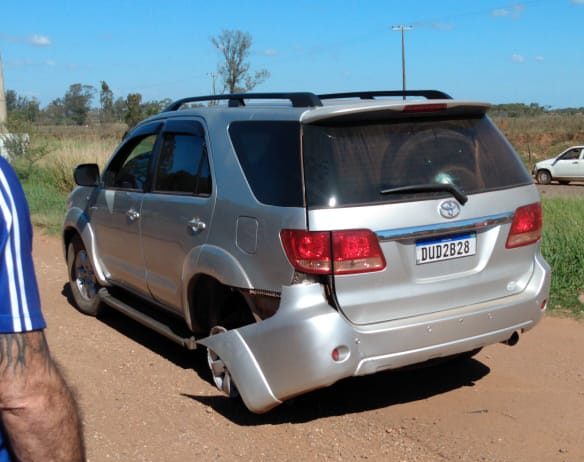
pixel 417 232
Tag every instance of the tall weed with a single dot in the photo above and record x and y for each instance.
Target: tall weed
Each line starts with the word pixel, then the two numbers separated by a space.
pixel 563 248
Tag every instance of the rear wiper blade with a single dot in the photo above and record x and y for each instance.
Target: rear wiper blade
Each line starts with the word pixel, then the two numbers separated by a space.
pixel 430 187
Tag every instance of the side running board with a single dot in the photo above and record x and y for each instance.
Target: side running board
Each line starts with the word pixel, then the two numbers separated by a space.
pixel 157 326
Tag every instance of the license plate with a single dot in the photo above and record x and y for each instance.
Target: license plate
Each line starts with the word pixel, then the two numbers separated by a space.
pixel 433 250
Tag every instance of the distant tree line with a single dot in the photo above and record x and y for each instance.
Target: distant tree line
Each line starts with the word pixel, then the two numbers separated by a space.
pixel 530 110
pixel 75 106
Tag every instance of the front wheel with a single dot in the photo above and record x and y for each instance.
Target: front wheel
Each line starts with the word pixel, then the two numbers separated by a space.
pixel 544 177
pixel 82 280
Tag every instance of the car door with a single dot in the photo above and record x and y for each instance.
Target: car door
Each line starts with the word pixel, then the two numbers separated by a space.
pixel 569 164
pixel 579 167
pixel 116 212
pixel 176 213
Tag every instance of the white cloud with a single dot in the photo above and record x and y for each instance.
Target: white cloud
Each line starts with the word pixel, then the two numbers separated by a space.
pixel 513 11
pixel 539 58
pixel 578 2
pixel 50 63
pixel 270 52
pixel 516 58
pixel 36 40
pixel 500 12
pixel 39 40
pixel 444 26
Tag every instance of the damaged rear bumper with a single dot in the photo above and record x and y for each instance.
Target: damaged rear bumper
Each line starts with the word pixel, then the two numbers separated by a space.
pixel 292 352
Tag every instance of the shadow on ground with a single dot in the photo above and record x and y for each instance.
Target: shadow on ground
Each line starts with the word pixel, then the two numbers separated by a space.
pixel 357 394
pixel 351 395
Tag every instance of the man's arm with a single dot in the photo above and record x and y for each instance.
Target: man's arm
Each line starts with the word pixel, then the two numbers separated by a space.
pixel 38 411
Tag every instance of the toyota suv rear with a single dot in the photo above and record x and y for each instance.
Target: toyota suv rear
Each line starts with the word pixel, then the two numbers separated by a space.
pixel 301 243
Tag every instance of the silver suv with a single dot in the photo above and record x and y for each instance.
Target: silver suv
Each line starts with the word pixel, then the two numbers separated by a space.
pixel 303 239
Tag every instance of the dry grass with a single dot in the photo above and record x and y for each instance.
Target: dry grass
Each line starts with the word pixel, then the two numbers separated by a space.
pixel 543 136
pixel 78 146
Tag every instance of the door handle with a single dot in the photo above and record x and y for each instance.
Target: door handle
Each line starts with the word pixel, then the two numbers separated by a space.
pixel 196 225
pixel 132 214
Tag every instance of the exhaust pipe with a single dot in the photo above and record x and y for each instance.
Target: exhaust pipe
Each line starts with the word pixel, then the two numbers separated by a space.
pixel 512 341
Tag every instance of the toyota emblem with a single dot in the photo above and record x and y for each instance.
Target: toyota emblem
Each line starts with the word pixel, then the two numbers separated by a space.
pixel 449 209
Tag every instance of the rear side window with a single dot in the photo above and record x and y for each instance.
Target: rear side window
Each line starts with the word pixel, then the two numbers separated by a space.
pixel 352 164
pixel 183 166
pixel 269 154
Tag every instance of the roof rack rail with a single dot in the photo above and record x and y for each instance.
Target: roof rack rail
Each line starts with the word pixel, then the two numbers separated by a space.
pixel 428 94
pixel 298 99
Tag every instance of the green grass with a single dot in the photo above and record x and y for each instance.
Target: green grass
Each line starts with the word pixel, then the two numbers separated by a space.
pixel 563 248
pixel 46 202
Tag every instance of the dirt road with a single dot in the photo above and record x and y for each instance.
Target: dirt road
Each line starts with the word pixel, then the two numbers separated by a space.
pixel 574 189
pixel 146 400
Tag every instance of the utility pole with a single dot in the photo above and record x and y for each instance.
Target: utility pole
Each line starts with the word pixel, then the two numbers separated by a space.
pixel 213 88
pixel 403 29
pixel 3 114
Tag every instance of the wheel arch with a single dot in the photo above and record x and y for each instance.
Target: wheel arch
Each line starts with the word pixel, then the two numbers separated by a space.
pixel 77 224
pixel 215 272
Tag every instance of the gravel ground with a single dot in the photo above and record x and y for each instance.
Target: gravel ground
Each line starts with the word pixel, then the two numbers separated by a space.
pixel 557 190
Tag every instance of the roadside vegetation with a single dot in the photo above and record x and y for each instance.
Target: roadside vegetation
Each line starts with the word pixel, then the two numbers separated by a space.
pixel 563 248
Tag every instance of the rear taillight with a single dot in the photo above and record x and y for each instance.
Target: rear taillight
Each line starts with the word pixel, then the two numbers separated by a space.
pixel 333 252
pixel 526 226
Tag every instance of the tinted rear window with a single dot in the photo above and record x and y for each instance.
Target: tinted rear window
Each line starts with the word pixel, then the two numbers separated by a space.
pixel 269 154
pixel 351 164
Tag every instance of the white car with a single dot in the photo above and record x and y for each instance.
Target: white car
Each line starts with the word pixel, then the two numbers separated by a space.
pixel 568 166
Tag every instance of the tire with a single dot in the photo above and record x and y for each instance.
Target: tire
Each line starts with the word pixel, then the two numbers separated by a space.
pixel 219 372
pixel 544 177
pixel 82 280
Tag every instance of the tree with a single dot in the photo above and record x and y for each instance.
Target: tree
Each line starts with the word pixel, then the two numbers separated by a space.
pixel 134 109
pixel 106 100
pixel 77 102
pixel 120 108
pixel 21 107
pixel 55 112
pixel 234 46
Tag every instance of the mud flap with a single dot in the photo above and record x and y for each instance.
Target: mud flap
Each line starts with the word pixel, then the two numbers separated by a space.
pixel 289 353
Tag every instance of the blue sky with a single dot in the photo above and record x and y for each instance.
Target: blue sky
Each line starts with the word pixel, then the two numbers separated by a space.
pixel 497 51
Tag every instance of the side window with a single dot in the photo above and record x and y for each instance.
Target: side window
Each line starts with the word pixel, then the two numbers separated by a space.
pixel 183 167
pixel 129 170
pixel 572 154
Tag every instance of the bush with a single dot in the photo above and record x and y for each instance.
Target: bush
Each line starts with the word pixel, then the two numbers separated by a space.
pixel 24 148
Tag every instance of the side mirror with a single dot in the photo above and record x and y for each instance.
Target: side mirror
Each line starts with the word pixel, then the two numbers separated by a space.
pixel 86 175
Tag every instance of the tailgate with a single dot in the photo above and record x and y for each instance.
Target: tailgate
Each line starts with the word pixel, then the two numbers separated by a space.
pixel 433 263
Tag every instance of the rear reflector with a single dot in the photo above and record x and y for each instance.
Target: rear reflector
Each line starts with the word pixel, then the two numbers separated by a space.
pixel 526 226
pixel 333 252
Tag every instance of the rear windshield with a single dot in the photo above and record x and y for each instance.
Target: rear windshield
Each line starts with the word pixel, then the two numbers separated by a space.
pixel 269 154
pixel 352 164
